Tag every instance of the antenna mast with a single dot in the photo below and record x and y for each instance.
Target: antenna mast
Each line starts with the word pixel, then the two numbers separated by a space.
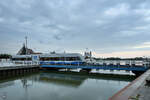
pixel 26 43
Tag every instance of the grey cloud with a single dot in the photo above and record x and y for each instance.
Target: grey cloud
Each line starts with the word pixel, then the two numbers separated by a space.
pixel 102 25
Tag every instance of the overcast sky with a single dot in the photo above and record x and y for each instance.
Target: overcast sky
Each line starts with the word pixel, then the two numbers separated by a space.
pixel 107 27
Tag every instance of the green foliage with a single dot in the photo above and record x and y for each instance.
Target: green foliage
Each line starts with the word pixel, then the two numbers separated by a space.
pixel 5 56
pixel 113 58
pixel 135 98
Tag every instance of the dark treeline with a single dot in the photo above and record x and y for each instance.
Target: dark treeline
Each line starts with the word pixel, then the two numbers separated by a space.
pixel 5 56
pixel 116 58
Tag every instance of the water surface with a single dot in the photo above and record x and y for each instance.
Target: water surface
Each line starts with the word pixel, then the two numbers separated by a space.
pixel 58 86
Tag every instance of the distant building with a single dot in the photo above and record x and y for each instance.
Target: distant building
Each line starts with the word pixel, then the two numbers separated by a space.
pixel 88 55
pixel 24 51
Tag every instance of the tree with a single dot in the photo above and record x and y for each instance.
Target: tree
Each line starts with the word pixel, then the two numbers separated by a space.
pixel 5 56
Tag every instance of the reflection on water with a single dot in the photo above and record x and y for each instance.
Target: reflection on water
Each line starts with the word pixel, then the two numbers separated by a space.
pixel 62 79
pixel 60 86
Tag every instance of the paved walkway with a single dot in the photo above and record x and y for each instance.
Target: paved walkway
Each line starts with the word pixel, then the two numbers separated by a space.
pixel 143 92
pixel 136 90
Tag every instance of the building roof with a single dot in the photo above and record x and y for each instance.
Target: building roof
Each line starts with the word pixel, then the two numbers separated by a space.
pixel 26 51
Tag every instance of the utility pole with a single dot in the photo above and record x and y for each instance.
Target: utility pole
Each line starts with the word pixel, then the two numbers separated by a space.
pixel 26 47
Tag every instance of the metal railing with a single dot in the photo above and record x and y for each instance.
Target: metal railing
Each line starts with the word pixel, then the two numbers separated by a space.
pixel 9 63
pixel 124 62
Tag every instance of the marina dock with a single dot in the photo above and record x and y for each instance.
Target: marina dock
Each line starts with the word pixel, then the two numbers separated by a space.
pixel 137 70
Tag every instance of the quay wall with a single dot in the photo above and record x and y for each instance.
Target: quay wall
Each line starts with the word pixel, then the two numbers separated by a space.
pixel 127 92
pixel 6 72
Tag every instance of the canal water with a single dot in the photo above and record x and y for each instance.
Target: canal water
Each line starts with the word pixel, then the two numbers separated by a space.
pixel 60 86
